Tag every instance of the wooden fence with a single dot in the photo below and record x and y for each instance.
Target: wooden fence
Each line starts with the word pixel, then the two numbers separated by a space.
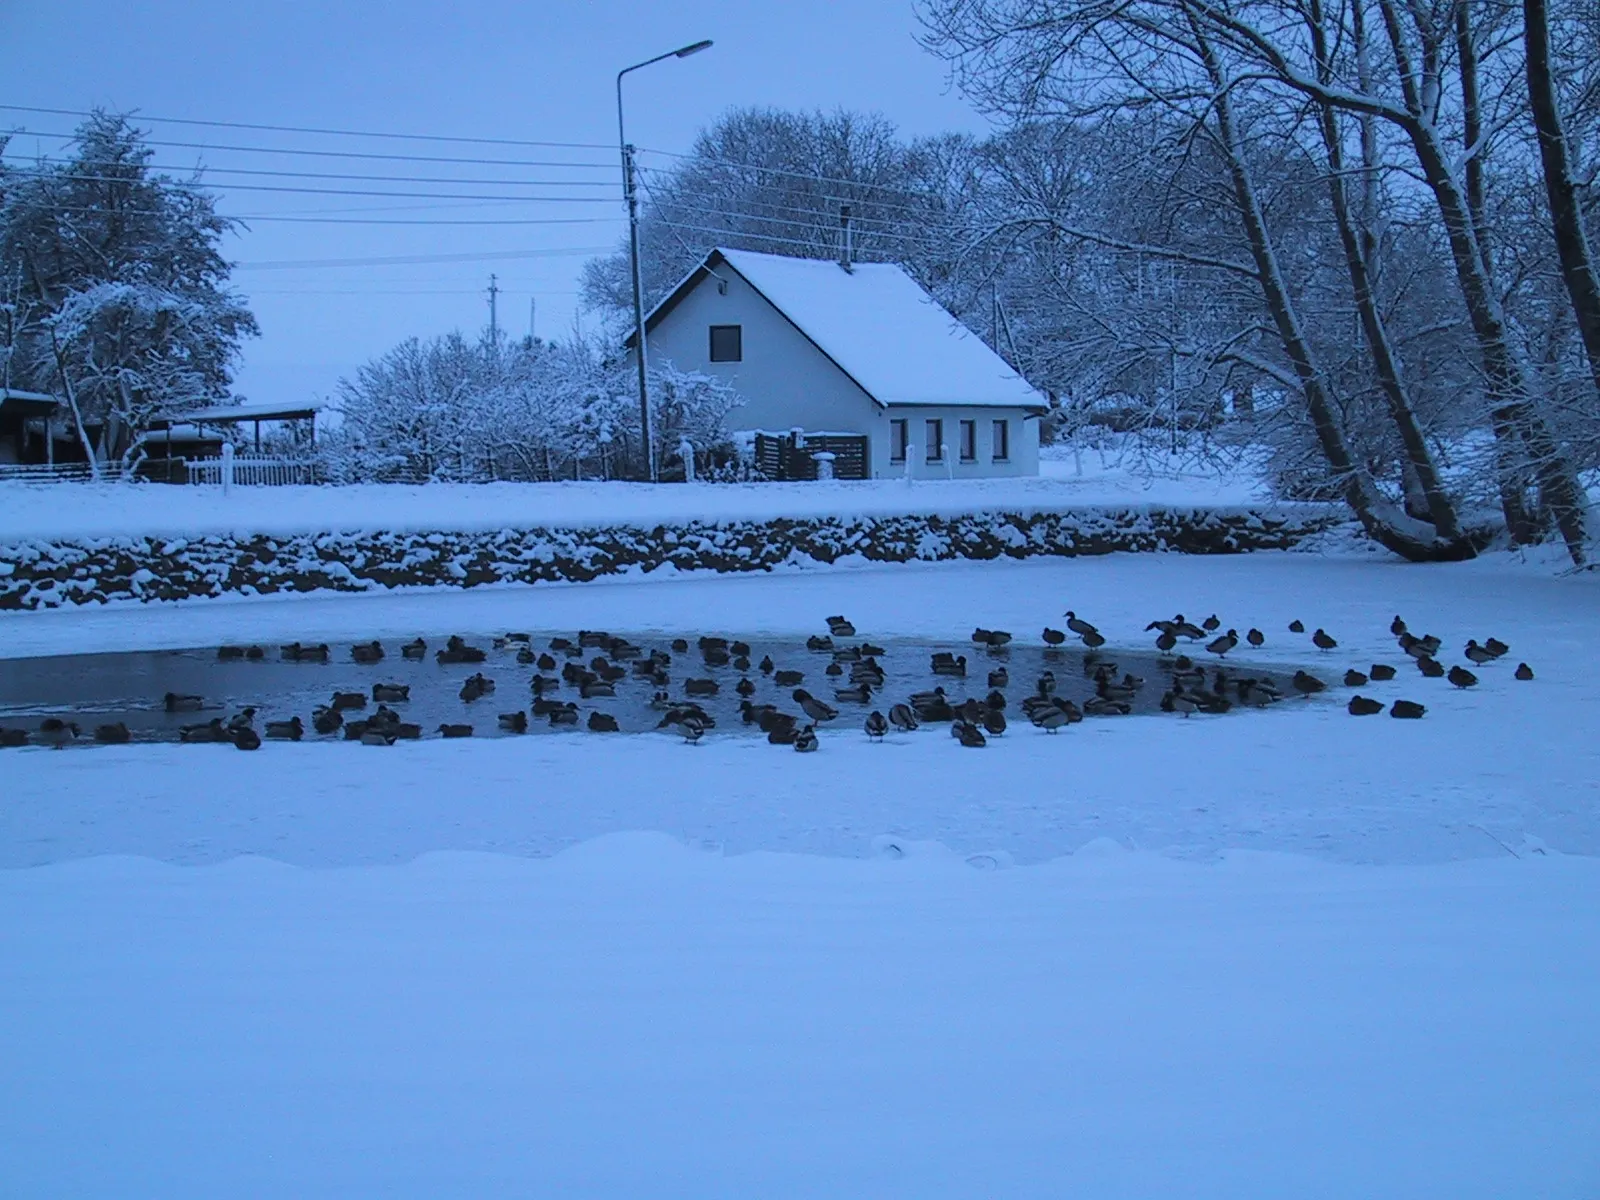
pixel 790 456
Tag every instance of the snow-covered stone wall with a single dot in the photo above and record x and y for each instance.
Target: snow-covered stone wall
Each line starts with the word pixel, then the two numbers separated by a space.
pixel 49 574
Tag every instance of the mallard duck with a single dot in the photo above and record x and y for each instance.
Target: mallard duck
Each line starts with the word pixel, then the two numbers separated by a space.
pixel 564 715
pixel 903 719
pixel 451 730
pixel 593 639
pixel 1100 706
pixel 246 739
pixel 416 650
pixel 254 653
pixel 13 737
pixel 876 725
pixel 745 687
pixel 841 628
pixel 212 731
pixel 1397 626
pixel 1524 672
pixel 245 718
pixel 343 701
pixel 230 653
pixel 999 678
pixel 367 652
pixel 514 722
pixel 994 722
pixel 1354 678
pixel 805 740
pixel 1166 641
pixel 872 650
pixel 1407 710
pixel 525 656
pixel 857 694
pixel 326 720
pixel 600 722
pixel 1050 718
pixel 377 737
pixel 1431 668
pixel 1053 637
pixel 700 687
pixel 788 678
pixel 1045 685
pixel 1256 638
pixel 1211 624
pixel 833 669
pixel 1093 640
pixel 1296 626
pixel 391 693
pixel 1179 702
pixel 1462 677
pixel 948 664
pixel 1220 646
pixel 766 666
pixel 968 734
pixel 1381 673
pixel 1476 654
pixel 998 638
pixel 819 643
pixel 1495 646
pixel 291 730
pixel 1361 706
pixel 476 687
pixel 1078 626
pixel 1307 684
pixel 1322 641
pixel 593 689
pixel 115 734
pixel 175 703
pixel 688 725
pixel 812 707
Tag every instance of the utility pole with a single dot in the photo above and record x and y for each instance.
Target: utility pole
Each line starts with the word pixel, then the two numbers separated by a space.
pixel 533 312
pixel 494 325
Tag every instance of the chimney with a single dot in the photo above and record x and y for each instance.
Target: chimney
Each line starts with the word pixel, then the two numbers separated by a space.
pixel 844 238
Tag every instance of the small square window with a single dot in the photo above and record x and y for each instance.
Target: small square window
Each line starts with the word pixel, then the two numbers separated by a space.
pixel 727 343
pixel 969 441
pixel 1002 441
pixel 899 435
pixel 935 432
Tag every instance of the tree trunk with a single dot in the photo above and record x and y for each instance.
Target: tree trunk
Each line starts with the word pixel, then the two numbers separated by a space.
pixel 72 403
pixel 1566 217
pixel 1385 525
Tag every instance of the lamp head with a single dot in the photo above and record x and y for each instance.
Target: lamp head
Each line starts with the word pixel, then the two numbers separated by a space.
pixel 694 49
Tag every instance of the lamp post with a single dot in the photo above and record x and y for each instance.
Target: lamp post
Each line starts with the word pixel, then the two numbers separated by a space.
pixel 630 193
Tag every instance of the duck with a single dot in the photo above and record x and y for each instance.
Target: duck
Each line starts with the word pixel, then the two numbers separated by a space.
pixel 1046 684
pixel 246 739
pixel 679 645
pixel 841 628
pixel 999 638
pixel 1211 624
pixel 1362 706
pixel 1354 678
pixel 592 689
pixel 766 666
pixel 1050 718
pixel 948 664
pixel 789 678
pixel 1256 638
pixel 995 700
pixel 367 652
pixel 970 710
pixel 1100 706
pixel 812 707
pixel 1093 639
pixel 1322 641
pixel 932 696
pixel 873 650
pixel 291 730
pixel 391 693
pixel 343 701
pixel 593 639
pixel 1495 647
pixel 456 650
pixel 876 725
pixel 254 653
pixel 847 654
pixel 1078 626
pixel 1381 673
pixel 514 722
pixel 700 687
pixel 1431 668
pixel 245 718
pixel 1179 702
pixel 376 737
pixel 689 727
pixel 661 701
pixel 857 694
pixel 1166 641
pixel 805 740
pixel 994 722
pixel 525 656
pixel 406 731
pixel 230 653
pixel 212 731
pixel 1523 672
pixel 819 643
pixel 715 656
pixel 903 719
pixel 175 703
pixel 600 722
pixel 540 684
pixel 1397 626
pixel 1297 626
pixel 999 678
pixel 1407 710
pixel 451 730
pixel 833 670
pixel 1223 644
pixel 1462 677
pixel 415 650
pixel 326 720
pixel 1478 655
pixel 564 714
pixel 13 737
pixel 298 652
pixel 1307 684
pixel 115 734
pixel 476 687
pixel 745 687
pixel 968 734
pixel 934 710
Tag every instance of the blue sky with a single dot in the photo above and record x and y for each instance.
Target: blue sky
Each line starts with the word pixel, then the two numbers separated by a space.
pixel 490 70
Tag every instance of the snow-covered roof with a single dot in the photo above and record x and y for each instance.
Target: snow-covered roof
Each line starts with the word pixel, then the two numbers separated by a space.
pixel 225 413
pixel 880 327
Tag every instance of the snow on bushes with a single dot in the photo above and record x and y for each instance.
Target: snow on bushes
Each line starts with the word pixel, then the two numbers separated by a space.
pixel 52 574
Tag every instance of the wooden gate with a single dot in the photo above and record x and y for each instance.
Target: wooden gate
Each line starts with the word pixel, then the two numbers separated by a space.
pixel 789 456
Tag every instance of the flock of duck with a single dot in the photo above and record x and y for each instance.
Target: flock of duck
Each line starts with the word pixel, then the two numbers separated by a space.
pixel 592 666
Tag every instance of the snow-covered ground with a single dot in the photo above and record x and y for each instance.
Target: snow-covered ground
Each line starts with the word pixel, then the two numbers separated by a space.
pixel 1107 979
pixel 68 511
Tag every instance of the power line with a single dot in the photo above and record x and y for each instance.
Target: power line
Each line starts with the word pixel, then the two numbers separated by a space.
pixel 315 220
pixel 209 170
pixel 314 191
pixel 410 137
pixel 745 166
pixel 481 162
pixel 406 260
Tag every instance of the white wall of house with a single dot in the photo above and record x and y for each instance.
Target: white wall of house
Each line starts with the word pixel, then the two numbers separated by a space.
pixel 786 381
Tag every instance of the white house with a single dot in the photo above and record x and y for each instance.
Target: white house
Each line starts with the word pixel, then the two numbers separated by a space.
pixel 816 345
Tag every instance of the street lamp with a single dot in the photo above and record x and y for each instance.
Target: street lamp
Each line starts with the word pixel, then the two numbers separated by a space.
pixel 630 192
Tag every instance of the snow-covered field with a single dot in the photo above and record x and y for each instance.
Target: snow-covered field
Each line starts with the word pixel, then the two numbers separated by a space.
pixel 1107 978
pixel 65 512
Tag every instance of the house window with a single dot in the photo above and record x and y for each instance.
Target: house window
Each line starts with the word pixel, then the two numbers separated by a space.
pixel 935 432
pixel 899 434
pixel 969 441
pixel 1002 441
pixel 727 343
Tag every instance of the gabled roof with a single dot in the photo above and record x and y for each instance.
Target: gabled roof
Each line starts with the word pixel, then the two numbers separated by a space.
pixel 878 326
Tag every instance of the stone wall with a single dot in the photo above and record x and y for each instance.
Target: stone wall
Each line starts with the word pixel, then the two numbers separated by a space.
pixel 51 574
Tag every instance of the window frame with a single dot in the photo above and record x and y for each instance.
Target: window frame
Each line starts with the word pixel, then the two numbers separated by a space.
pixel 967 440
pixel 1000 446
pixel 933 430
pixel 899 439
pixel 738 339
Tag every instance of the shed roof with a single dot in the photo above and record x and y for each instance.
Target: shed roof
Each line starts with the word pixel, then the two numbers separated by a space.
pixel 228 414
pixel 878 326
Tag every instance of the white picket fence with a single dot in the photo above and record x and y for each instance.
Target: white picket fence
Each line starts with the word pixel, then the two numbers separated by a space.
pixel 247 470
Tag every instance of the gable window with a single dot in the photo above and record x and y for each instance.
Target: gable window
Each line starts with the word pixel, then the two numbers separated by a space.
pixel 969 441
pixel 1002 441
pixel 935 432
pixel 727 343
pixel 899 434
